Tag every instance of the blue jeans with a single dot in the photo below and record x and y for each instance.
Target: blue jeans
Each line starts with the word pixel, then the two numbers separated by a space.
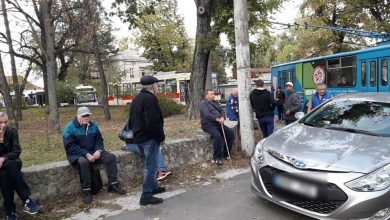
pixel 160 161
pixel 150 151
pixel 216 132
pixel 266 124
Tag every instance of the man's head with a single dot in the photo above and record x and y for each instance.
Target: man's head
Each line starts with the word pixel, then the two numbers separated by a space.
pixel 259 83
pixel 321 89
pixel 235 92
pixel 343 79
pixel 279 88
pixel 3 121
pixel 289 86
pixel 149 83
pixel 83 114
pixel 209 95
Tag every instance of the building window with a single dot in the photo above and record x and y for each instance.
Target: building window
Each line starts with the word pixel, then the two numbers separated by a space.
pixel 341 72
pixel 131 72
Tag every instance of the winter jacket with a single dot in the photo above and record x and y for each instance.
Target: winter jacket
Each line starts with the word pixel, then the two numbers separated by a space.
pixel 10 149
pixel 146 118
pixel 293 104
pixel 209 112
pixel 280 97
pixel 232 108
pixel 316 101
pixel 79 140
pixel 262 102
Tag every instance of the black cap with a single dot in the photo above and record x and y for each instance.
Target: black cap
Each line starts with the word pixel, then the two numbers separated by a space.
pixel 148 80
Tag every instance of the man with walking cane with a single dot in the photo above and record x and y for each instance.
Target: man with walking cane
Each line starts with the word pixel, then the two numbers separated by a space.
pixel 212 119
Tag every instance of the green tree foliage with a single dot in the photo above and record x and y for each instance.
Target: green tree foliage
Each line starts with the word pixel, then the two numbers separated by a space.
pixel 161 33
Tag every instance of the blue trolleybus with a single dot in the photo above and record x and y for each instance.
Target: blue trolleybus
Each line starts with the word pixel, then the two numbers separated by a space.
pixel 365 70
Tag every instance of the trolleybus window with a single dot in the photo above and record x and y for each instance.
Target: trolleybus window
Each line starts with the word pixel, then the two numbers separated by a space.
pixel 373 73
pixel 161 87
pixel 341 72
pixel 171 86
pixel 364 75
pixel 384 72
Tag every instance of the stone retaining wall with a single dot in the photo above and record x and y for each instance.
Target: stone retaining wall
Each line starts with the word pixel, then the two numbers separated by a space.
pixel 51 180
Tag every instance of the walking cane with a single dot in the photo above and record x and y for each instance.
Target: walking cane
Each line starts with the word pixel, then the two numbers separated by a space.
pixel 227 148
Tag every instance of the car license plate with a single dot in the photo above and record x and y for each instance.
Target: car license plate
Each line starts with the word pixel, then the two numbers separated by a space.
pixel 295 186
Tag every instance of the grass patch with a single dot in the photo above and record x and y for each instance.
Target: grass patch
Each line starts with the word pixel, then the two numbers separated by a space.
pixel 39 147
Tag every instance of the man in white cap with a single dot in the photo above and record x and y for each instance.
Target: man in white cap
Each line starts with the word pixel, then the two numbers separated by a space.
pixel 291 105
pixel 84 146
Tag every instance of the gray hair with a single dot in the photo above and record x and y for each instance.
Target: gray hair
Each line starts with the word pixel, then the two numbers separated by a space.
pixel 320 84
pixel 3 115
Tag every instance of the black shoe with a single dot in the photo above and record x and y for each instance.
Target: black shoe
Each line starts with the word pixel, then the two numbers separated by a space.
pixel 87 197
pixel 158 189
pixel 150 200
pixel 12 216
pixel 115 188
pixel 31 207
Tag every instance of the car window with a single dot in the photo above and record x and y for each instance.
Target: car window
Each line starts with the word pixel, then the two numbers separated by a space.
pixel 354 116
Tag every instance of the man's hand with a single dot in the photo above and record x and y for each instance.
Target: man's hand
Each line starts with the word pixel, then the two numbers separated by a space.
pixel 2 159
pixel 96 155
pixel 90 158
pixel 288 112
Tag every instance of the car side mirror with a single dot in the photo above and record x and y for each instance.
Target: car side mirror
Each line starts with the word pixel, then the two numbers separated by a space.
pixel 299 115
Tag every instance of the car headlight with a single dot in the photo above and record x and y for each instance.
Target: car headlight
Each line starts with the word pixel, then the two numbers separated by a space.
pixel 375 181
pixel 258 155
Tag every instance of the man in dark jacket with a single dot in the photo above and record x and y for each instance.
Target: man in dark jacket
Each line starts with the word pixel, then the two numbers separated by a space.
pixel 280 97
pixel 212 119
pixel 147 124
pixel 84 146
pixel 262 101
pixel 292 104
pixel 11 177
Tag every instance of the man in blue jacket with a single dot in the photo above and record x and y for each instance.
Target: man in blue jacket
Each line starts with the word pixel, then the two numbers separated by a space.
pixel 318 97
pixel 84 146
pixel 212 119
pixel 232 112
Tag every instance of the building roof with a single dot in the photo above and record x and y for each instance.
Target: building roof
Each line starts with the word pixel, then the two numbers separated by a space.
pixel 29 86
pixel 128 55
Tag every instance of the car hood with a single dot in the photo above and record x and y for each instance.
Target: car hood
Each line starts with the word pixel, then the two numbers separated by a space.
pixel 330 150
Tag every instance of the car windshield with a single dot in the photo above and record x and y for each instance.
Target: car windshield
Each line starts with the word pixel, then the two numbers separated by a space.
pixel 372 118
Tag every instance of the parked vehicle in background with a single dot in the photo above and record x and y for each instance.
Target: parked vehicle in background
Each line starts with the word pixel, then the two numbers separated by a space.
pixel 85 95
pixel 365 70
pixel 334 163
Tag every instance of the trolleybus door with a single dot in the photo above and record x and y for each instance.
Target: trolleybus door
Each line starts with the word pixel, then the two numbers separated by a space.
pixel 362 69
pixel 372 75
pixel 383 77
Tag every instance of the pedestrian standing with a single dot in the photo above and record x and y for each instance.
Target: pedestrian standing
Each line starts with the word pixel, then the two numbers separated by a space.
pixel 232 107
pixel 280 97
pixel 291 105
pixel 318 97
pixel 262 101
pixel 147 123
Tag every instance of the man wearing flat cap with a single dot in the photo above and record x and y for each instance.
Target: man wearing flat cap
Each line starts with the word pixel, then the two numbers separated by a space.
pixel 147 123
pixel 84 146
pixel 291 105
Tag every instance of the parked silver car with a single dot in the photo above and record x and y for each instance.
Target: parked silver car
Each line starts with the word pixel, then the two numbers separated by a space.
pixel 334 163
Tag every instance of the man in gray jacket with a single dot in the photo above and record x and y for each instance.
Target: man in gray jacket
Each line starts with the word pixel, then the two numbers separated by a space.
pixel 291 105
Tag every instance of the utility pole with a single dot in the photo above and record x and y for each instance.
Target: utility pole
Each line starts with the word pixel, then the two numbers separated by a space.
pixel 243 75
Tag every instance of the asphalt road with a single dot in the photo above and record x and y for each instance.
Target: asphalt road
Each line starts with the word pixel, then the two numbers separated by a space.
pixel 228 199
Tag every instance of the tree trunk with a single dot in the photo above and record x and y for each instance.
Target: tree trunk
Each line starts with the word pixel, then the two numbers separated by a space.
pixel 51 69
pixel 103 80
pixel 18 96
pixel 243 75
pixel 6 93
pixel 201 57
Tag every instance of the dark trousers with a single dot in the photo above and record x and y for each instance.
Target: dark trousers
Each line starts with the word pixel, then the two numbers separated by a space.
pixel 83 165
pixel 11 179
pixel 266 124
pixel 280 111
pixel 287 122
pixel 216 132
